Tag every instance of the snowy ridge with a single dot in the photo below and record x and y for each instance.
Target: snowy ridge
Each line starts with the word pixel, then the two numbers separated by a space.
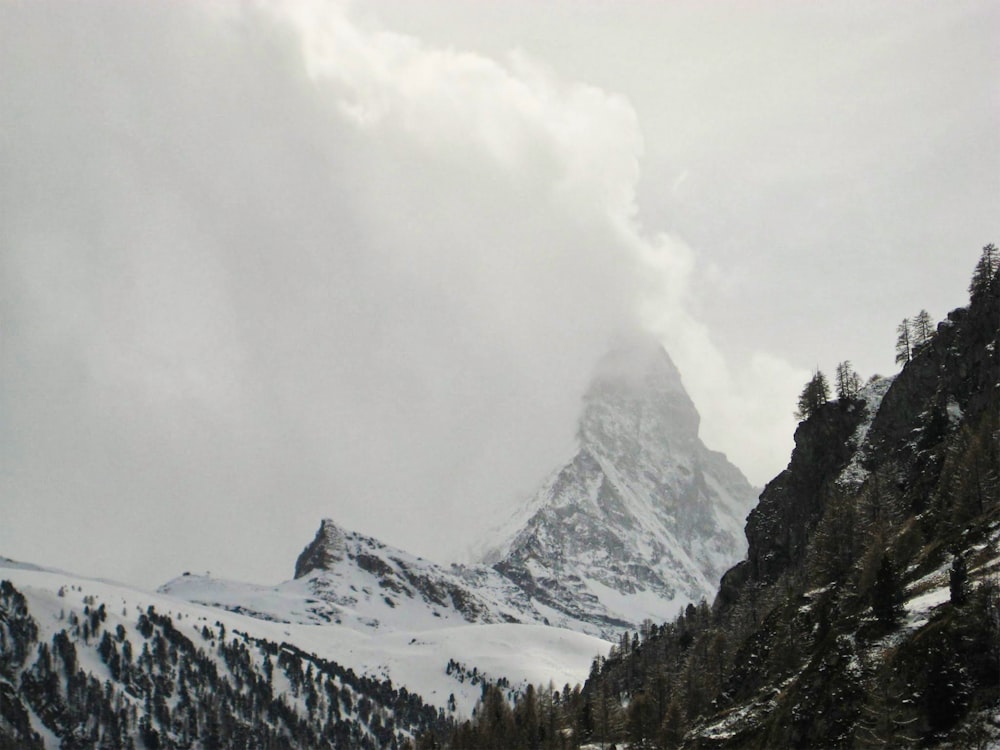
pixel 643 520
pixel 346 578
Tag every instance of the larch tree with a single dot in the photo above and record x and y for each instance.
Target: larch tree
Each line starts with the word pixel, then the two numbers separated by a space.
pixel 887 593
pixel 921 329
pixel 958 580
pixel 848 381
pixel 815 393
pixel 986 269
pixel 904 342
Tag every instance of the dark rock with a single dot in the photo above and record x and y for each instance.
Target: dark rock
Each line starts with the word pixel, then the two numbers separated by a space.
pixel 791 504
pixel 323 552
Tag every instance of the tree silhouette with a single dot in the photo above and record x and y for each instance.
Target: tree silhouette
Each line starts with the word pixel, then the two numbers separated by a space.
pixel 887 593
pixel 986 269
pixel 921 329
pixel 904 345
pixel 815 393
pixel 847 380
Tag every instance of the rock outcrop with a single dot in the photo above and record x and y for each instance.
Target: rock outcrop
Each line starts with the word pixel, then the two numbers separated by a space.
pixel 866 612
pixel 791 504
pixel 326 550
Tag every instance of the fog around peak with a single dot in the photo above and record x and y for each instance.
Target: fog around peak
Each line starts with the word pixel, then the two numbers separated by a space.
pixel 265 264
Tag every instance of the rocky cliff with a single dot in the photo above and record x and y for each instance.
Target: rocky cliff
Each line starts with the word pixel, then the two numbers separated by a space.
pixel 867 611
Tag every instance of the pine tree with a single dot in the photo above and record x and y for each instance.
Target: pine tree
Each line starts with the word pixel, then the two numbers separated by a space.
pixel 672 728
pixel 815 393
pixel 921 329
pixel 848 381
pixel 904 347
pixel 526 719
pixel 641 718
pixel 887 718
pixel 887 594
pixel 946 693
pixel 836 541
pixel 986 269
pixel 958 581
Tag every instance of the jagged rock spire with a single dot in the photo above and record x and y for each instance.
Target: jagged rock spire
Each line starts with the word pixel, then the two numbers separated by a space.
pixel 644 518
pixel 325 550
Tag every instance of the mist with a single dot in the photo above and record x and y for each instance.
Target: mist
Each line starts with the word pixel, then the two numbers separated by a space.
pixel 245 288
pixel 262 264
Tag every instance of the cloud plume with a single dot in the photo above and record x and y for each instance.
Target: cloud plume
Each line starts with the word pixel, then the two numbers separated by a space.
pixel 263 265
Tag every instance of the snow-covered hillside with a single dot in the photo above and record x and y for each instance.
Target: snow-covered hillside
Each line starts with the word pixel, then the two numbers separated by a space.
pixel 416 658
pixel 644 519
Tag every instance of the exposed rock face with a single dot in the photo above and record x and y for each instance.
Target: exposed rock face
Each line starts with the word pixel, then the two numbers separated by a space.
pixel 954 378
pixel 644 518
pixel 327 549
pixel 887 523
pixel 791 504
pixel 929 443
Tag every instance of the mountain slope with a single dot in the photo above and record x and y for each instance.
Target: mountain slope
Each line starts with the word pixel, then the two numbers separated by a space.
pixel 867 612
pixel 245 678
pixel 87 664
pixel 396 588
pixel 642 521
pixel 644 518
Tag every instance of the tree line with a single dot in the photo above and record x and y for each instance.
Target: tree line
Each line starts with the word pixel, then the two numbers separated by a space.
pixel 913 335
pixel 166 689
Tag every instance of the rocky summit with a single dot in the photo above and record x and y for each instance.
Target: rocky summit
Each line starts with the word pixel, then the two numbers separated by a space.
pixel 644 519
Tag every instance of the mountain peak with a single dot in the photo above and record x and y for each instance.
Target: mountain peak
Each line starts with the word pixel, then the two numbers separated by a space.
pixel 637 361
pixel 644 518
pixel 326 549
pixel 637 401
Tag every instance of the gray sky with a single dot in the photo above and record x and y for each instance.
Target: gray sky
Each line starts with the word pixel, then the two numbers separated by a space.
pixel 265 264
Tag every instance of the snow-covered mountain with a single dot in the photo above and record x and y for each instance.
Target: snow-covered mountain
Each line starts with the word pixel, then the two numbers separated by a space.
pixel 644 519
pixel 346 578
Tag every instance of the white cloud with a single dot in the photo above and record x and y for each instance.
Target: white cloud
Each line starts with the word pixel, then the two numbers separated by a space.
pixel 582 144
pixel 264 264
pixel 244 298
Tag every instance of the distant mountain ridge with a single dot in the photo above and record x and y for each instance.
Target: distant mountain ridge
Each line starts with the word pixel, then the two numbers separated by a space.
pixel 346 578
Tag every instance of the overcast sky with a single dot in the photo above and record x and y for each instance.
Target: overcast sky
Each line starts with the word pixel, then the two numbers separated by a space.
pixel 264 264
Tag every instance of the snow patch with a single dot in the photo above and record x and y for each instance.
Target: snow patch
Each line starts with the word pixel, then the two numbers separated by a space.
pixel 854 474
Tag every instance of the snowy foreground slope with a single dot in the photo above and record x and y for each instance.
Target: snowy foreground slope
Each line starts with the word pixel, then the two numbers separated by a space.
pixel 417 659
